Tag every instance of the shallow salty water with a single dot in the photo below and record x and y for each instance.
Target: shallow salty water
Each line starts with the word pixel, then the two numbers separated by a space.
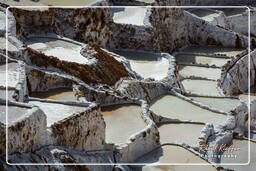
pixel 171 133
pixel 133 16
pixel 241 156
pixel 63 50
pixel 225 104
pixel 205 87
pixel 213 50
pixel 176 108
pixel 197 59
pixel 170 154
pixel 211 73
pixel 147 64
pixel 55 94
pixel 122 122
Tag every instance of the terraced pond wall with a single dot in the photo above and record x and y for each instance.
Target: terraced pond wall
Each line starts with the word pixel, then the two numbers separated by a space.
pixel 239 23
pixel 202 32
pixel 24 130
pixel 39 81
pixel 234 77
pixel 21 88
pixel 242 116
pixel 164 20
pixel 100 28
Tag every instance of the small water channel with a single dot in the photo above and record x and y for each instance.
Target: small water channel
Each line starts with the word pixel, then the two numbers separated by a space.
pixel 122 121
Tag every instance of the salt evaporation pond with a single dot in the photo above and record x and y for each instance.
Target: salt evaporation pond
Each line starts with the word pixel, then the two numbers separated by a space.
pixel 171 133
pixel 61 49
pixel 213 50
pixel 210 73
pixel 122 121
pixel 199 59
pixel 224 104
pixel 134 15
pixel 173 107
pixel 55 94
pixel 205 87
pixel 147 64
